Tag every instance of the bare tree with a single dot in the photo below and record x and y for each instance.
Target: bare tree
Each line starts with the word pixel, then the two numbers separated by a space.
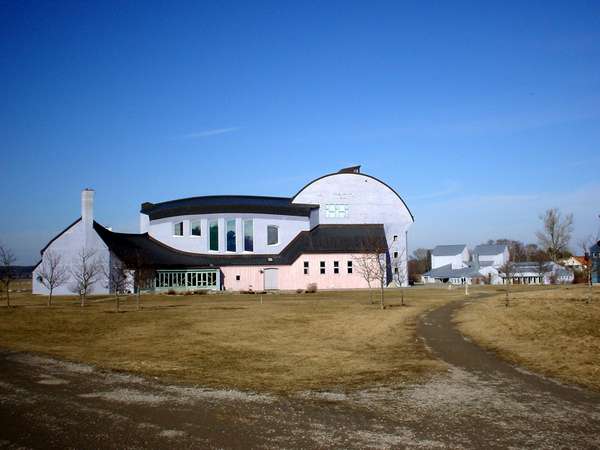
pixel 508 270
pixel 7 262
pixel 372 264
pixel 143 272
pixel 118 277
pixel 365 265
pixel 555 236
pixel 52 273
pixel 86 271
pixel 540 260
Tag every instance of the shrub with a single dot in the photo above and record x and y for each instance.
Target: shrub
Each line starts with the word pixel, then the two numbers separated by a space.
pixel 299 291
pixel 311 288
pixel 201 292
pixel 171 292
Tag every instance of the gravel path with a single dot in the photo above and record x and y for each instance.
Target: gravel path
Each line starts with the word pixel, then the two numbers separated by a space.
pixel 479 403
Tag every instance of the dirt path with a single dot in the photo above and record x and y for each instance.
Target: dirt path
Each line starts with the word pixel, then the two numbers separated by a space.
pixel 480 403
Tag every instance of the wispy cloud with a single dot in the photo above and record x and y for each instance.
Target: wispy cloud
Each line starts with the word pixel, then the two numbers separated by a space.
pixel 207 133
pixel 451 187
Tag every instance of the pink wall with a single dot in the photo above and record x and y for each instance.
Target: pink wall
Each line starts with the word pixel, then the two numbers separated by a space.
pixel 292 277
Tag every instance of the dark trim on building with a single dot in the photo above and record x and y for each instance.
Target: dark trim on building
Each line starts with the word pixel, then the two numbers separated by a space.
pixel 321 239
pixel 226 204
pixel 56 237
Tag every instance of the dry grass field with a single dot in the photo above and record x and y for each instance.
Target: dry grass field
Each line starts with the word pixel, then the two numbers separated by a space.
pixel 550 330
pixel 288 343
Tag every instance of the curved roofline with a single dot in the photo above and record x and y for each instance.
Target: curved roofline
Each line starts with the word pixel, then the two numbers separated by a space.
pixel 357 173
pixel 226 204
pixel 218 196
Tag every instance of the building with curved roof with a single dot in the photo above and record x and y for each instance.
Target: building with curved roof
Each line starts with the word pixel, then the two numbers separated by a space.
pixel 242 242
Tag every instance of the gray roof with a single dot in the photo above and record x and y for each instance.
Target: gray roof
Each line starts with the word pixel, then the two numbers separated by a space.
pixel 490 249
pixel 448 272
pixel 448 250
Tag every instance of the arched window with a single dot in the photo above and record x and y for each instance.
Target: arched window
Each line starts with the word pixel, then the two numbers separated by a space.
pixel 272 234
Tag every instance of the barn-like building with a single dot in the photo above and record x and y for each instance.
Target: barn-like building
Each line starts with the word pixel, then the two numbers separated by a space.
pixel 249 242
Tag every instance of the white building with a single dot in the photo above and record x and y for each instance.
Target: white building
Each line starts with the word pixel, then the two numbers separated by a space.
pixel 534 273
pixel 455 265
pixel 494 254
pixel 250 242
pixel 457 256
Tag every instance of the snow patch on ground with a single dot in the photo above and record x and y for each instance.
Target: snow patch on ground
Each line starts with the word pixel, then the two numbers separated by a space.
pixel 128 396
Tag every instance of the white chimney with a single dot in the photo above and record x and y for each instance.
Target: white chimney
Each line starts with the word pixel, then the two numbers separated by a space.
pixel 87 207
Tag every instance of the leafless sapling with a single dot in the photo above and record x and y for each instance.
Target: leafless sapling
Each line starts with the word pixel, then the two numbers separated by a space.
pixel 7 262
pixel 365 267
pixel 86 270
pixel 143 273
pixel 556 233
pixel 372 264
pixel 118 278
pixel 508 270
pixel 52 273
pixel 540 260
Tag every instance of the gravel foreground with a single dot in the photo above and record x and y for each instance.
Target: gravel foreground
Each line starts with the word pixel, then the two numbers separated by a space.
pixel 46 403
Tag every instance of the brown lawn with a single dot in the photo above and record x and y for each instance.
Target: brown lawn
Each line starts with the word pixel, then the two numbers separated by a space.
pixel 290 342
pixel 550 330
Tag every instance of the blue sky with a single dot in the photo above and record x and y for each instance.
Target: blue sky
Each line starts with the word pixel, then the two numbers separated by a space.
pixel 479 114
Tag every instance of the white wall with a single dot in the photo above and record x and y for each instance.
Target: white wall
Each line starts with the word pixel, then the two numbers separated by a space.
pixel 497 260
pixel 369 201
pixel 68 245
pixel 289 227
pixel 458 261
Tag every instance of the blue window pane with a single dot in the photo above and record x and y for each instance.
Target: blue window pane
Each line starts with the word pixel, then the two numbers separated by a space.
pixel 214 236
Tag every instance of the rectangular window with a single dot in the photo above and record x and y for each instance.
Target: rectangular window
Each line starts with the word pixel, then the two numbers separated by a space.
pixel 248 235
pixel 322 267
pixel 349 266
pixel 178 229
pixel 336 211
pixel 336 267
pixel 395 255
pixel 395 237
pixel 305 267
pixel 213 236
pixel 195 226
pixel 230 228
pixel 272 234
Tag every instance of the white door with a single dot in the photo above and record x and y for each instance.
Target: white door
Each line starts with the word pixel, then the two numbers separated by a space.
pixel 271 279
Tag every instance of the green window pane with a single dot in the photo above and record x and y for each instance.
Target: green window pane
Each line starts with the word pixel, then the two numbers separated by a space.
pixel 231 235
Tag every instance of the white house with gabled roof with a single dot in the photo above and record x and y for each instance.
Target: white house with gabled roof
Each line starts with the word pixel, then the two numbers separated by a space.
pixel 457 256
pixel 492 254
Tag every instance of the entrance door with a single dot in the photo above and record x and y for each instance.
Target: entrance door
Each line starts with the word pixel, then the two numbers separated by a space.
pixel 271 279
